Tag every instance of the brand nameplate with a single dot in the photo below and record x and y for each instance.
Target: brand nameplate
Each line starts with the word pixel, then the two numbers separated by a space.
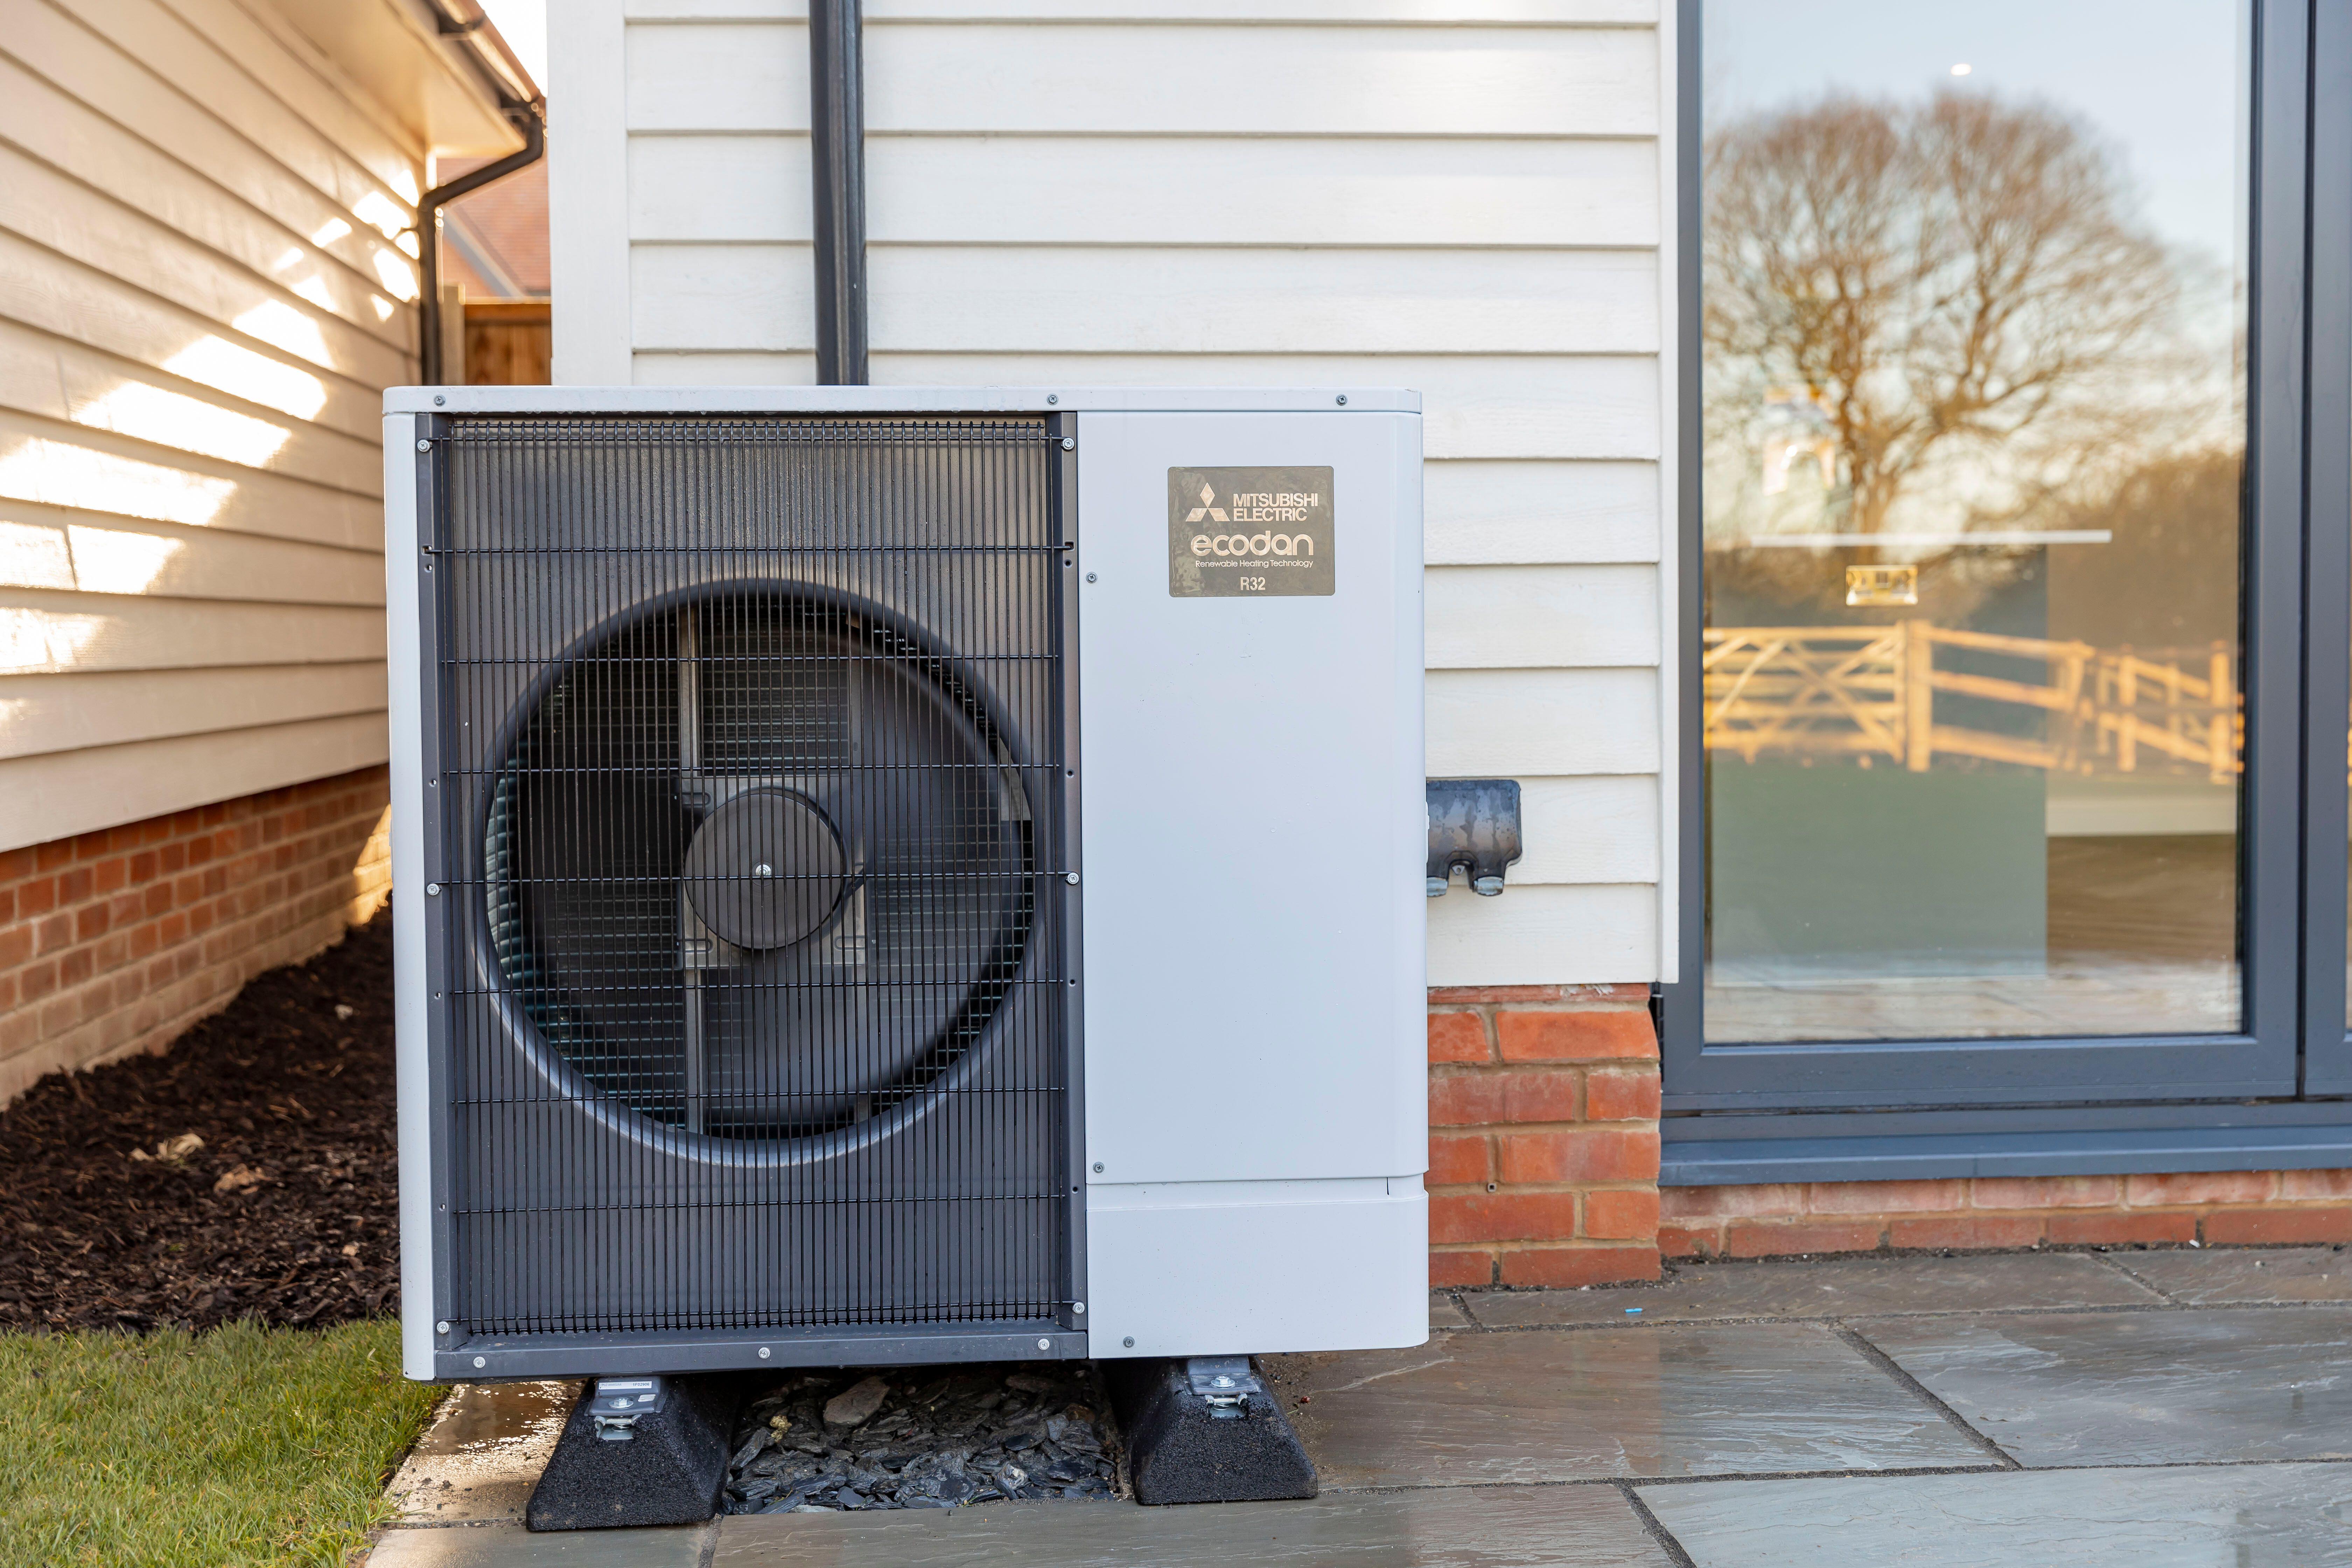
pixel 1239 533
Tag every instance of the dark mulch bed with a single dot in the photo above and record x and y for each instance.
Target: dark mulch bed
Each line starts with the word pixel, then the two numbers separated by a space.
pixel 288 1213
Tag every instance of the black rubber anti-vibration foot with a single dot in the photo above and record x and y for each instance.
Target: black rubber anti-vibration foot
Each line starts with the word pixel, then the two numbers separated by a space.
pixel 1186 1441
pixel 638 1451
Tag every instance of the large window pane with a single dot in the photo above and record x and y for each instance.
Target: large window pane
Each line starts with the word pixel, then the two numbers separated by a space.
pixel 1973 334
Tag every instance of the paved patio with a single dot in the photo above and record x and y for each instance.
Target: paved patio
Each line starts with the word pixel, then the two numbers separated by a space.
pixel 2141 1409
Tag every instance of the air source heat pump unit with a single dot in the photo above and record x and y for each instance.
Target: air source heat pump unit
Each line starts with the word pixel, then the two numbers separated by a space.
pixel 906 876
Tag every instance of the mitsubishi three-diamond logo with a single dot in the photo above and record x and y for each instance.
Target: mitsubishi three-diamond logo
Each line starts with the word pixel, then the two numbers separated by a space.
pixel 1208 496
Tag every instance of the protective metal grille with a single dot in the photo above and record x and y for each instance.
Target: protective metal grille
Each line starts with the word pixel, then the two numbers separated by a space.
pixel 749 805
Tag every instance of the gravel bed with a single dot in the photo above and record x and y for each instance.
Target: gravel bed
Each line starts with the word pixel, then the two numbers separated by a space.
pixel 922 1437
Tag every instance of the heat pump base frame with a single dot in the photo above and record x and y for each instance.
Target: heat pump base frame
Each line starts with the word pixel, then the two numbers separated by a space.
pixel 729 1350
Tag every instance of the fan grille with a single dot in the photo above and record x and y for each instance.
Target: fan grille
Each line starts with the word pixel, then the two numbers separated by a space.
pixel 753 1000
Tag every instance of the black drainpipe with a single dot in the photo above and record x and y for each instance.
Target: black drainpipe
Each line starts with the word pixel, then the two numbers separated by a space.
pixel 837 145
pixel 526 118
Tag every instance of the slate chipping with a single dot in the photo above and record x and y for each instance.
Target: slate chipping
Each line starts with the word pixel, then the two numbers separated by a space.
pixel 926 1438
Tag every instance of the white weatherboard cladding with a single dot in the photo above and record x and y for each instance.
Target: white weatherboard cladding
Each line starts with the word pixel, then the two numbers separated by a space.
pixel 1467 197
pixel 204 286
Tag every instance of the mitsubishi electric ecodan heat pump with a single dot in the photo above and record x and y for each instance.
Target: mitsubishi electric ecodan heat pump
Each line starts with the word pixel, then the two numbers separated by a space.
pixel 906 876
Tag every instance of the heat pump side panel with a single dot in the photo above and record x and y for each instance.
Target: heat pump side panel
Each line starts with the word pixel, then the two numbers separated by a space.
pixel 1254 832
pixel 419 1288
pixel 1255 985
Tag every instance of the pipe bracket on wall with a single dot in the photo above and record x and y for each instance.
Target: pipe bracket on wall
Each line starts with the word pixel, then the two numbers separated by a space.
pixel 1473 824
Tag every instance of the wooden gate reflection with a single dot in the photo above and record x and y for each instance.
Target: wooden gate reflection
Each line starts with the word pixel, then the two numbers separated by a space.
pixel 1870 691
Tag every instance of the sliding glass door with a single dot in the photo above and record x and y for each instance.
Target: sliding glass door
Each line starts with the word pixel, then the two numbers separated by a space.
pixel 1992 557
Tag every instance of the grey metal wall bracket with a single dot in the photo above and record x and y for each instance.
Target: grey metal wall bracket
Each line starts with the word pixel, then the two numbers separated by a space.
pixel 1473 824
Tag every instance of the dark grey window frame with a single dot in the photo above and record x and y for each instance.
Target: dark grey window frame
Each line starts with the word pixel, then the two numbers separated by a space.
pixel 2328 617
pixel 1940 1089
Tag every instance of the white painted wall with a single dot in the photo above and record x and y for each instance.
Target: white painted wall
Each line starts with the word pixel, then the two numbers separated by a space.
pixel 1466 197
pixel 202 295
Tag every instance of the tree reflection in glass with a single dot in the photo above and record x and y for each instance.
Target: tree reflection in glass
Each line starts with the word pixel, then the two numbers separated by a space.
pixel 1973 359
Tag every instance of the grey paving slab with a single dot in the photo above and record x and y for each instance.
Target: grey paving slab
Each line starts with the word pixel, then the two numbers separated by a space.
pixel 2139 1388
pixel 511 1546
pixel 483 1453
pixel 2221 1276
pixel 2246 1516
pixel 1592 1527
pixel 1443 1313
pixel 1842 1287
pixel 1473 1408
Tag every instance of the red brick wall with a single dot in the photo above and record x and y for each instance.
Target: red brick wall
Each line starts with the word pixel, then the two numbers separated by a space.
pixel 1543 1168
pixel 2239 1208
pixel 1543 1135
pixel 117 941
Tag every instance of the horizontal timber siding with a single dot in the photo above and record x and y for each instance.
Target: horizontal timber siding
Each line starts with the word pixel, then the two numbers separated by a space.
pixel 203 289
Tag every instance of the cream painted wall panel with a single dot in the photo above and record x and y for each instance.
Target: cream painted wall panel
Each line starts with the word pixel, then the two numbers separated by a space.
pixel 61 793
pixel 43 714
pixel 1526 723
pixel 752 77
pixel 90 553
pixel 744 187
pixel 1522 617
pixel 90 69
pixel 1544 935
pixel 47 633
pixel 1139 78
pixel 1502 511
pixel 724 369
pixel 759 297
pixel 1474 406
pixel 1599 829
pixel 84 145
pixel 82 227
pixel 1016 299
pixel 60 465
pixel 293 71
pixel 195 66
pixel 201 296
pixel 42 289
pixel 58 379
pixel 1179 191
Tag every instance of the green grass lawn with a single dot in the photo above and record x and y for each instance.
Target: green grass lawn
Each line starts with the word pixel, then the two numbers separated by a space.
pixel 243 1446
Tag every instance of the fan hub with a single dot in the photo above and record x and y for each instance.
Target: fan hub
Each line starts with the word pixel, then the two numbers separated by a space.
pixel 765 870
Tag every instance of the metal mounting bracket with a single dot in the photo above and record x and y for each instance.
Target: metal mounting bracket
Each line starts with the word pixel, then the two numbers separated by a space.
pixel 1224 1383
pixel 619 1402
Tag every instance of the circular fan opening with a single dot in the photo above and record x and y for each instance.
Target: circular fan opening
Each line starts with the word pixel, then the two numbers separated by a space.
pixel 760 868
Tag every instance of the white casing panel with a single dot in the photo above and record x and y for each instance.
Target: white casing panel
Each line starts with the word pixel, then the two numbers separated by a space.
pixel 414 1088
pixel 1252 838
pixel 1253 845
